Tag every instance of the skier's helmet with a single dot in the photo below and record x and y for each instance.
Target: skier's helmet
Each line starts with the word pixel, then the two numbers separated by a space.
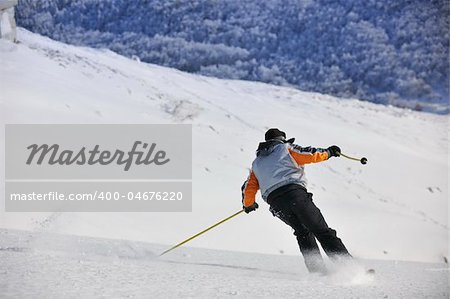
pixel 274 133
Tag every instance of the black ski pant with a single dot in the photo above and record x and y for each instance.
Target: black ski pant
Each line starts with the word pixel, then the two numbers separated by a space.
pixel 294 206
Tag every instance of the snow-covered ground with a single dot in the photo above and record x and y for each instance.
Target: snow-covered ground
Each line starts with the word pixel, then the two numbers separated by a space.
pixel 394 208
pixel 61 266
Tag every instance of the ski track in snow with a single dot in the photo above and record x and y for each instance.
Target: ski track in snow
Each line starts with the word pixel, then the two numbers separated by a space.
pixel 42 265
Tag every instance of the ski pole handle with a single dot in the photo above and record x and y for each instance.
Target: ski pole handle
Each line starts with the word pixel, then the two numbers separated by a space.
pixel 363 160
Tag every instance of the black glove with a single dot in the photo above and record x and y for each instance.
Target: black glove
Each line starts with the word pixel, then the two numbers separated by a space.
pixel 251 208
pixel 334 151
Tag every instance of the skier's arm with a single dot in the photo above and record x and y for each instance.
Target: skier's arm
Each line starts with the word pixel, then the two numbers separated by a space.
pixel 249 189
pixel 305 155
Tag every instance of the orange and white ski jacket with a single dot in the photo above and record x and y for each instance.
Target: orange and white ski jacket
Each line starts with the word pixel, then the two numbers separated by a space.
pixel 278 164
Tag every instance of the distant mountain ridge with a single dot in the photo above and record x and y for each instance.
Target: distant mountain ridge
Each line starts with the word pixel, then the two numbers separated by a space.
pixel 391 52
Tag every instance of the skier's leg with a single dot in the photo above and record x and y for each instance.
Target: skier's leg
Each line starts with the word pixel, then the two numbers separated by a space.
pixel 306 240
pixel 309 248
pixel 308 213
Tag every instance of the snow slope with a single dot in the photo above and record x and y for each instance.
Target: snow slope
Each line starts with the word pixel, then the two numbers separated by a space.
pixel 62 266
pixel 395 208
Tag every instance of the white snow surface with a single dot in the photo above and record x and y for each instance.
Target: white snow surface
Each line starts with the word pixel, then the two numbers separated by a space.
pixel 42 265
pixel 393 209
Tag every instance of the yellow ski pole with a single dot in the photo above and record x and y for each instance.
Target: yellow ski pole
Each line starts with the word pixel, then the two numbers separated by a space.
pixel 363 160
pixel 202 232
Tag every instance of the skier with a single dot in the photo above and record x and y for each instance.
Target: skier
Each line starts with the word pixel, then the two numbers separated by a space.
pixel 278 171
